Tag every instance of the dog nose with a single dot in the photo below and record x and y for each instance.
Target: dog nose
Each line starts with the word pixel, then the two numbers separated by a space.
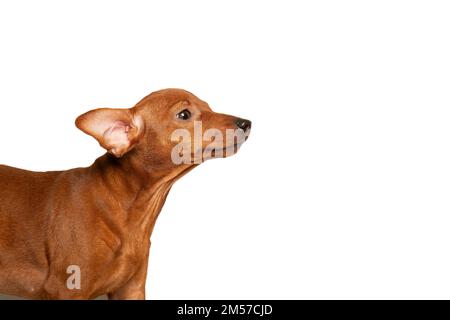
pixel 243 124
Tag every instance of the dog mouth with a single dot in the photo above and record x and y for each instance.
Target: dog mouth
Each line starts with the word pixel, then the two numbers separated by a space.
pixel 226 151
pixel 218 152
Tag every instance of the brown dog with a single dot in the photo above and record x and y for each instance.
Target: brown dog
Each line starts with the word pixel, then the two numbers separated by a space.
pixel 85 232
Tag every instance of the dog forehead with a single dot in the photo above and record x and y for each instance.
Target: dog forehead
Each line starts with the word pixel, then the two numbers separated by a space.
pixel 164 99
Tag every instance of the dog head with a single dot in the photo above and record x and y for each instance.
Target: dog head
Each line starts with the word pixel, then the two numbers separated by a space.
pixel 167 128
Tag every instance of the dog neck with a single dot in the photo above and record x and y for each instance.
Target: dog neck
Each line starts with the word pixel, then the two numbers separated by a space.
pixel 139 192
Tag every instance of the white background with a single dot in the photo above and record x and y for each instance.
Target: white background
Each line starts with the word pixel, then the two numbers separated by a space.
pixel 342 190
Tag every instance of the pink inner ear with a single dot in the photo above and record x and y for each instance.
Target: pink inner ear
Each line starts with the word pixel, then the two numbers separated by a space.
pixel 116 136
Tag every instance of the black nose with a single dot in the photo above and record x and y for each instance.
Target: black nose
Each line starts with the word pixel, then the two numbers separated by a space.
pixel 243 124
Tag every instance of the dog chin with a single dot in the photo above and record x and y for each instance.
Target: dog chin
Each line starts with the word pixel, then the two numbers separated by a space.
pixel 226 151
pixel 211 153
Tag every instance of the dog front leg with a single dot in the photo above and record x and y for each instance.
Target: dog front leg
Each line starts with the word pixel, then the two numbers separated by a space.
pixel 127 293
pixel 134 289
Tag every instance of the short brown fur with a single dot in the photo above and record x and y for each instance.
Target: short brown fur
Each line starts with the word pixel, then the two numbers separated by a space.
pixel 99 218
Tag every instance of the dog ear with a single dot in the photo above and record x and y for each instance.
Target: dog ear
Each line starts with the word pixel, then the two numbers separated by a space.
pixel 117 130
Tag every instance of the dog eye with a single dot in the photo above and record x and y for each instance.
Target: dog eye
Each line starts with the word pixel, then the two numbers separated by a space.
pixel 184 115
